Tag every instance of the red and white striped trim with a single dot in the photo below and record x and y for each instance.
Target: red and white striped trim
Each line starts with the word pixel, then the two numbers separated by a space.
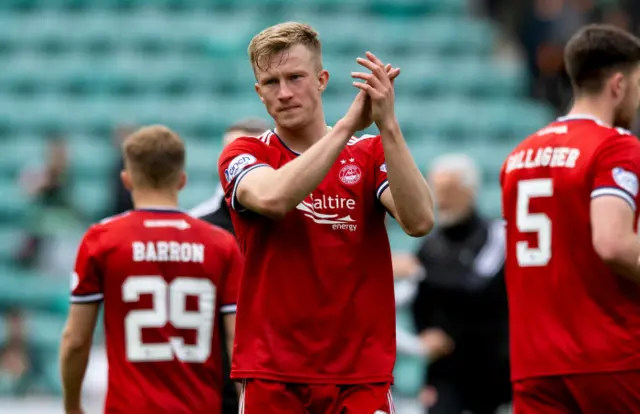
pixel 355 140
pixel 266 137
pixel 243 393
pixel 392 407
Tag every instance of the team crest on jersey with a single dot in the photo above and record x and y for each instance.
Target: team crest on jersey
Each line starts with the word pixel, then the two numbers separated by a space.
pixel 237 165
pixel 350 174
pixel 626 180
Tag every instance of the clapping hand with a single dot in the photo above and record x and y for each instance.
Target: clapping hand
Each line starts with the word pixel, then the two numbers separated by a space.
pixel 362 108
pixel 379 88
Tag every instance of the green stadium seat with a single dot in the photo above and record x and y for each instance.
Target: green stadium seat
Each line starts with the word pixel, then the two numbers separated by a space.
pixel 31 291
pixel 15 203
pixel 44 329
pixel 20 151
pixel 490 201
pixel 412 8
pixel 10 237
pixel 92 197
pixel 91 157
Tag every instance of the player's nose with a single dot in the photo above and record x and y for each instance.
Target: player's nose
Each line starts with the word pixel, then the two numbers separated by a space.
pixel 284 92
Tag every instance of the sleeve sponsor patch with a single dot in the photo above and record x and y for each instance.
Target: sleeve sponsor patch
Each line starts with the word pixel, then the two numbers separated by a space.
pixel 75 281
pixel 626 180
pixel 238 164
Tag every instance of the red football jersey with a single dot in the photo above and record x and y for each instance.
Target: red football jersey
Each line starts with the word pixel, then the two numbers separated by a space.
pixel 569 312
pixel 164 276
pixel 316 304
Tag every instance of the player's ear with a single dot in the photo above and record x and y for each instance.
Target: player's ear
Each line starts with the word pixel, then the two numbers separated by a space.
pixel 257 86
pixel 183 180
pixel 618 85
pixel 323 79
pixel 126 180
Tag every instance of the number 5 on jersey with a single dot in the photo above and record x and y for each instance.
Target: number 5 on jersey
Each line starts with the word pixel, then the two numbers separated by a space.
pixel 169 306
pixel 528 222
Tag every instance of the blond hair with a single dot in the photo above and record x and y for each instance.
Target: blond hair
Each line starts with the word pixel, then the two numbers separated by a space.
pixel 275 39
pixel 154 156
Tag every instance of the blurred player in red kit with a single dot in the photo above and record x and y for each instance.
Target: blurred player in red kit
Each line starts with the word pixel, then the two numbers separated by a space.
pixel 570 197
pixel 163 276
pixel 316 330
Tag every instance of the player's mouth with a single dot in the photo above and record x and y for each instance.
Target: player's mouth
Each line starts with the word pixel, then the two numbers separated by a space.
pixel 289 108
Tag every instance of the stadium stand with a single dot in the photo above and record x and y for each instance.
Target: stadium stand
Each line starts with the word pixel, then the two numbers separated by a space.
pixel 83 67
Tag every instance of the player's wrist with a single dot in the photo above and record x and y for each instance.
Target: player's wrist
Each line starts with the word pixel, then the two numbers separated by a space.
pixel 389 127
pixel 344 129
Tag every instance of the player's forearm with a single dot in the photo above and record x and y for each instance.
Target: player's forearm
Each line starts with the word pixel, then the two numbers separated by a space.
pixel 286 187
pixel 73 364
pixel 623 257
pixel 409 190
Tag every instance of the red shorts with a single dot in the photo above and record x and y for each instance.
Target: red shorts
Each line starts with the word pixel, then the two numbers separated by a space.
pixel 270 397
pixel 615 392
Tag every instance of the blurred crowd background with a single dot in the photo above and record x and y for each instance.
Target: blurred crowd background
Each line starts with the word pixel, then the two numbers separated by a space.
pixel 78 75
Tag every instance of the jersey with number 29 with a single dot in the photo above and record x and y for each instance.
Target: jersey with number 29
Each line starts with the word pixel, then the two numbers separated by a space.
pixel 569 312
pixel 163 276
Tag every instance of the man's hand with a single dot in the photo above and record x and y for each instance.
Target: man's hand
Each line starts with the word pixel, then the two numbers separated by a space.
pixel 74 411
pixel 379 88
pixel 360 114
pixel 404 265
pixel 437 343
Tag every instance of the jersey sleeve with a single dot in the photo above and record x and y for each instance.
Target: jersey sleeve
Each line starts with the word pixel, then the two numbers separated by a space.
pixel 232 280
pixel 237 159
pixel 616 169
pixel 381 181
pixel 86 279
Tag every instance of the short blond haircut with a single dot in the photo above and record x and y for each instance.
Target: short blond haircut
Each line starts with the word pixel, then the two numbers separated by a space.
pixel 275 39
pixel 155 156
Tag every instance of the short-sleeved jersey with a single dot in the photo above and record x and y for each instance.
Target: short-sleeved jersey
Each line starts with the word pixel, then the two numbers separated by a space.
pixel 163 276
pixel 316 303
pixel 569 312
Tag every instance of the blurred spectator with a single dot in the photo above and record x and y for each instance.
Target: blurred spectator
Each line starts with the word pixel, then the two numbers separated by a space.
pixel 461 308
pixel 544 26
pixel 18 362
pixel 121 197
pixel 52 214
pixel 410 367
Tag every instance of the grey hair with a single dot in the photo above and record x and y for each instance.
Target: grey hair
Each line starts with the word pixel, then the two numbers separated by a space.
pixel 463 165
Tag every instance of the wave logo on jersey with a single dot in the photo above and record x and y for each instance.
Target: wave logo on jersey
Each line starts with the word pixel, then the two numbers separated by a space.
pixel 238 164
pixel 313 208
pixel 626 180
pixel 350 173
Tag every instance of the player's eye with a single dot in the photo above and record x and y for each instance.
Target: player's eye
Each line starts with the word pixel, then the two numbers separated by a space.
pixel 271 82
pixel 295 77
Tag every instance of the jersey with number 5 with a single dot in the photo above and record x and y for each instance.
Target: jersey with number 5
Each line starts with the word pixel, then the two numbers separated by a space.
pixel 569 312
pixel 163 276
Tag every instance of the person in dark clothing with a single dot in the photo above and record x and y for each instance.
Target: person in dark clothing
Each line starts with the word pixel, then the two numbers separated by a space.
pixel 462 300
pixel 215 211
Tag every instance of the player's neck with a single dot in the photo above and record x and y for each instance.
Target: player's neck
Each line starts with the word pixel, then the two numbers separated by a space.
pixel 149 199
pixel 595 108
pixel 299 140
